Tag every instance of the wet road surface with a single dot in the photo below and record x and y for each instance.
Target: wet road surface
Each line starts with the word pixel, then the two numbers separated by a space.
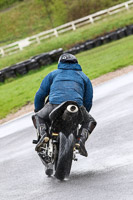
pixel 107 172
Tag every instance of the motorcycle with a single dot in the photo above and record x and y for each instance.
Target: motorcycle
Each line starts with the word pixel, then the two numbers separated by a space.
pixel 61 147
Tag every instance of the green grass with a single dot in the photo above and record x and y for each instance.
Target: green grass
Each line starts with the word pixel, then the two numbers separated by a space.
pixel 6 4
pixel 22 20
pixel 29 17
pixel 69 39
pixel 101 60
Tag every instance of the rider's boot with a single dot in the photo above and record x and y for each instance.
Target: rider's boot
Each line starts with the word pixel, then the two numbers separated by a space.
pixel 41 132
pixel 85 132
pixel 81 142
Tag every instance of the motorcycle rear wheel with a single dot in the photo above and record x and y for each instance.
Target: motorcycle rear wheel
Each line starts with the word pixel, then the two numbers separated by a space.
pixel 65 156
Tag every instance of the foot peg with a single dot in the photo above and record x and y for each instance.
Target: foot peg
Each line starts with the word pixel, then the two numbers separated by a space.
pixel 35 141
pixel 43 139
pixel 46 139
pixel 77 146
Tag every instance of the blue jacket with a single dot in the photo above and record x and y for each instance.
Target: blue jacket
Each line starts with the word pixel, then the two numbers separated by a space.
pixel 68 82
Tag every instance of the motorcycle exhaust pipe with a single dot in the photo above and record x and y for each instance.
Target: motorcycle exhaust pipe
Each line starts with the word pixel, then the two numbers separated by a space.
pixel 72 108
pixel 70 112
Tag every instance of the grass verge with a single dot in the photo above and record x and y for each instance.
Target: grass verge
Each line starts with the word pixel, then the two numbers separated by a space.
pixel 23 18
pixel 69 39
pixel 101 60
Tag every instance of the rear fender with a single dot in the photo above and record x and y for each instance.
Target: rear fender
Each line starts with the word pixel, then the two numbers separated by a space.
pixel 58 111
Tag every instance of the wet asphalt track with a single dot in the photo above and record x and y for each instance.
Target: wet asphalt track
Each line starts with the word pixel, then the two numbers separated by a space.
pixel 107 172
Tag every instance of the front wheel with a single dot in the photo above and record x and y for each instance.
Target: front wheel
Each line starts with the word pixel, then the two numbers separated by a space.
pixel 65 156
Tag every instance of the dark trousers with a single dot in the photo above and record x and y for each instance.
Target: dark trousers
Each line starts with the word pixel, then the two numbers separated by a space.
pixel 88 123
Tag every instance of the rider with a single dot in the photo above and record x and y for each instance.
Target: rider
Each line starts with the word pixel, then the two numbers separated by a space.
pixel 67 83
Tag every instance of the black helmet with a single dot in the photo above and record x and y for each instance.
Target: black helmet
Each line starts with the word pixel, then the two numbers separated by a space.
pixel 67 57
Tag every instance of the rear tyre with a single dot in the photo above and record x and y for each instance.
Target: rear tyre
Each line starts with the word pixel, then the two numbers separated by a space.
pixel 65 156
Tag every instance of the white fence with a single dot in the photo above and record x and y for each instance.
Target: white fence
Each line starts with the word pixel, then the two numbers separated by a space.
pixel 20 45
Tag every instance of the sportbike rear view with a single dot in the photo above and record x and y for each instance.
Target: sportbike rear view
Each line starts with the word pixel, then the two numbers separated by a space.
pixel 61 146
